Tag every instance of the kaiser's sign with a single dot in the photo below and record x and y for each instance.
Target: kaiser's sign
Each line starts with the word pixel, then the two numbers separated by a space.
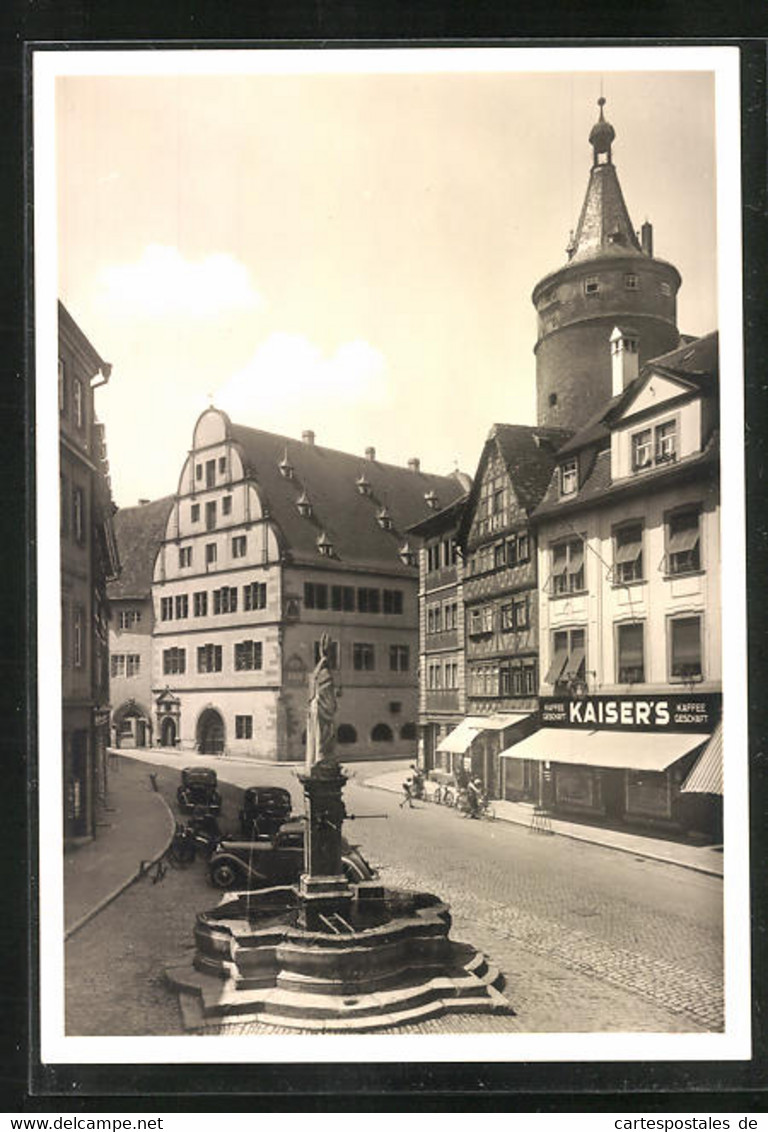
pixel 687 712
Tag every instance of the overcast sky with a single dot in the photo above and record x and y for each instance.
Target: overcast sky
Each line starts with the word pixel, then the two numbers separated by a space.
pixel 353 254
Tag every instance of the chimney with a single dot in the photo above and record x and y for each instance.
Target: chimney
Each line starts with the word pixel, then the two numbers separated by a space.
pixel 308 436
pixel 624 359
pixel 143 502
pixel 414 464
pixel 646 237
pixel 370 453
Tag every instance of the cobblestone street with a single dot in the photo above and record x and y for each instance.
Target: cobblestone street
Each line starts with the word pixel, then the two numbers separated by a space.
pixel 588 939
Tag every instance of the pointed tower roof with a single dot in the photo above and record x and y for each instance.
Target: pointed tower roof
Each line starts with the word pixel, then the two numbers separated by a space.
pixel 604 227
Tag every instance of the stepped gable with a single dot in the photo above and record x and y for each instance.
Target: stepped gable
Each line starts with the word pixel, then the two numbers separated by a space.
pixel 347 516
pixel 139 531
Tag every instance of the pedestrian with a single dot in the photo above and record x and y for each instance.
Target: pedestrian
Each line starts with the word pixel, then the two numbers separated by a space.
pixel 474 794
pixel 407 795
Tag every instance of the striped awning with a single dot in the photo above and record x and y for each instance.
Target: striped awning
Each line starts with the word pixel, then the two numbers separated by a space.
pixel 707 774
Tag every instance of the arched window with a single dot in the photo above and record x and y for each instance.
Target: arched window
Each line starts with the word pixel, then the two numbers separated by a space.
pixel 346 733
pixel 382 733
pixel 408 731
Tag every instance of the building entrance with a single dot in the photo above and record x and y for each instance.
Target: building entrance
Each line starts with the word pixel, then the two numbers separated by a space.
pixel 168 733
pixel 210 733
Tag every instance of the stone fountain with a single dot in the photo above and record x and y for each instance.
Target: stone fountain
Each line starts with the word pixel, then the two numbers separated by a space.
pixel 329 954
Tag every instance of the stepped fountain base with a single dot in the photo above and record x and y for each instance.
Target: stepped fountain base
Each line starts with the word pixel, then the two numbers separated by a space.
pixel 380 958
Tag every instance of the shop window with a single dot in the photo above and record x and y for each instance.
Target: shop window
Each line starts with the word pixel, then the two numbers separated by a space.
pixel 630 659
pixel 568 659
pixel 683 537
pixel 363 657
pixel 382 733
pixel 685 661
pixel 628 553
pixel 243 726
pixel 346 733
pixel 649 793
pixel 569 477
pixel 568 567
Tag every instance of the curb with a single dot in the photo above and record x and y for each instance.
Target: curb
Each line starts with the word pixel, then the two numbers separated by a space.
pixel 120 889
pixel 635 852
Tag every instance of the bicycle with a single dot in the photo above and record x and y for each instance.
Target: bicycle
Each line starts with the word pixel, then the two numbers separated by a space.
pixel 445 796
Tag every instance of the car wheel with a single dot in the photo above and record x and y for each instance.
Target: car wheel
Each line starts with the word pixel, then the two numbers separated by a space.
pixel 224 875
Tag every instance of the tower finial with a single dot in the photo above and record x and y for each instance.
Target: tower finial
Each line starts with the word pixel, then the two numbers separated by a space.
pixel 601 137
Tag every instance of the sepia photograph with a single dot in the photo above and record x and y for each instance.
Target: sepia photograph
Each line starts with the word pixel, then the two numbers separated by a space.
pixel 392 685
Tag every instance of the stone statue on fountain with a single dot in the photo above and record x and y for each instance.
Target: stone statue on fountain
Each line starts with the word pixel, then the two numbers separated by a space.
pixel 321 735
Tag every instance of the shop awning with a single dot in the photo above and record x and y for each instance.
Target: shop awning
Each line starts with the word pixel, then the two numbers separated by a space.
pixel 626 750
pixel 458 741
pixel 707 774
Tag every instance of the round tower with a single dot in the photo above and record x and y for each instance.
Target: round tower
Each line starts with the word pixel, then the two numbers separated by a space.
pixel 611 278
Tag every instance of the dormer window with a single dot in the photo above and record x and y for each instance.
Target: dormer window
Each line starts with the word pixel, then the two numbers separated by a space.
pixel 324 545
pixel 666 442
pixel 653 446
pixel 384 519
pixel 431 500
pixel 286 468
pixel 363 486
pixel 303 505
pixel 591 285
pixel 407 555
pixel 569 477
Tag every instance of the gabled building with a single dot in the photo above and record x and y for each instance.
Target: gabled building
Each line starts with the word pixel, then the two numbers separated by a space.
pixel 269 543
pixel 139 532
pixel 89 559
pixel 442 683
pixel 629 611
pixel 500 608
pixel 611 277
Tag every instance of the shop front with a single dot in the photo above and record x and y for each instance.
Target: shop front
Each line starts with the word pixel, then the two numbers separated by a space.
pixel 475 746
pixel 622 759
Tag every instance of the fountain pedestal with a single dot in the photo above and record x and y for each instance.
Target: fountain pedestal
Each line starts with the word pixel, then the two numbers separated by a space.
pixel 325 894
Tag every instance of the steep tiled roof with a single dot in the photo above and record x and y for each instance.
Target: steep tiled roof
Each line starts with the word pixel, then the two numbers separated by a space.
pixel 348 517
pixel 441 520
pixel 597 483
pixel 138 532
pixel 529 453
pixel 604 227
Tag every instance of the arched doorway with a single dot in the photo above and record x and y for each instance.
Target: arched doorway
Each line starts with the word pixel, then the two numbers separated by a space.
pixel 168 732
pixel 210 733
pixel 131 725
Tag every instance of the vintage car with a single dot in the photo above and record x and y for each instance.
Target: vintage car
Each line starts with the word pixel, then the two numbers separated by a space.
pixel 260 864
pixel 264 810
pixel 198 788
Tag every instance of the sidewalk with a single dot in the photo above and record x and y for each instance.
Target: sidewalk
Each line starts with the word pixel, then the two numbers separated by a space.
pixel 134 826
pixel 701 858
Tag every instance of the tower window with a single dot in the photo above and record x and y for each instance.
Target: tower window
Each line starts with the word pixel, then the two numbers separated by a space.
pixel 591 285
pixel 631 283
pixel 552 399
pixel 665 288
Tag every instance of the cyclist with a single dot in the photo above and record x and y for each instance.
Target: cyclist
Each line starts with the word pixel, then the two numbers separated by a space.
pixel 474 796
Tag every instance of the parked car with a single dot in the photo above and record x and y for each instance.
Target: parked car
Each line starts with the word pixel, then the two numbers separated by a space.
pixel 264 810
pixel 280 860
pixel 198 788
